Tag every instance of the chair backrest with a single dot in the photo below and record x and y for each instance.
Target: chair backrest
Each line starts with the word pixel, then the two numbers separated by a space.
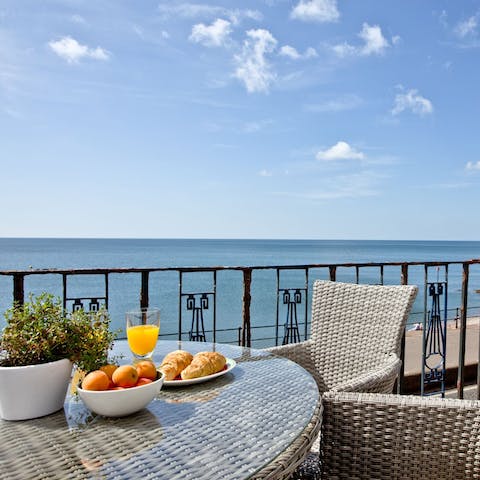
pixel 354 327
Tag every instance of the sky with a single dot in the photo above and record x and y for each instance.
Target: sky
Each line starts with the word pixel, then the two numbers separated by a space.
pixel 315 119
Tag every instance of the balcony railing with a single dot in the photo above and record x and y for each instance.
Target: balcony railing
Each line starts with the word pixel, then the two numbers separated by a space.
pixel 279 291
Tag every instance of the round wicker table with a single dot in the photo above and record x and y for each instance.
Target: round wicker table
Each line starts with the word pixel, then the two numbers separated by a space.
pixel 256 421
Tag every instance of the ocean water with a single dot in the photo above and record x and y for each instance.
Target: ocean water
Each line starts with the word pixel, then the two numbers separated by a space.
pixel 20 254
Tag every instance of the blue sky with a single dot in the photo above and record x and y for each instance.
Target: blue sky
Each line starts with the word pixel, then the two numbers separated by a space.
pixel 254 119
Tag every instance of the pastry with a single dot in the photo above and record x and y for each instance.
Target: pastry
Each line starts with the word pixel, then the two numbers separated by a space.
pixel 174 363
pixel 204 363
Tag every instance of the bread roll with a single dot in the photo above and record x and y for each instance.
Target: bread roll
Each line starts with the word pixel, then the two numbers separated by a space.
pixel 204 363
pixel 174 363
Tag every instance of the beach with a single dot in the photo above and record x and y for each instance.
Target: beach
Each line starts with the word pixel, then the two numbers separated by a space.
pixel 413 354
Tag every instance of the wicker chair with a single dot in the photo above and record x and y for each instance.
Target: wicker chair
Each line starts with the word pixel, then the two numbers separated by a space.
pixel 355 336
pixel 373 436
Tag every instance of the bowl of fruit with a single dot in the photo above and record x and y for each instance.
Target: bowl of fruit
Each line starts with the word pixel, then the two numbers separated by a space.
pixel 119 391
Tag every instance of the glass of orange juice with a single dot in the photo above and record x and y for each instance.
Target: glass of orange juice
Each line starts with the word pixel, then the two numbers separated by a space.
pixel 143 327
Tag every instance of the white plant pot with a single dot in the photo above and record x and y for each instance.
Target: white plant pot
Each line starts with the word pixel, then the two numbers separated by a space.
pixel 33 390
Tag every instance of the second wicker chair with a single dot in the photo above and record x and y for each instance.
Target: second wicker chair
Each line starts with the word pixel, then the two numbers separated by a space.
pixel 356 333
pixel 388 437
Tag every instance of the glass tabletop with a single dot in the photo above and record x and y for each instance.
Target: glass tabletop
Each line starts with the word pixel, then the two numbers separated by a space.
pixel 229 427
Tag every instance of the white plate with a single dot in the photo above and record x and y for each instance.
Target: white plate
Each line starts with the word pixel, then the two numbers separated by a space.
pixel 182 383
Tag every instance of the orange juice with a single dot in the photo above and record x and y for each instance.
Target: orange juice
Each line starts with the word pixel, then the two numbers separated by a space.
pixel 142 338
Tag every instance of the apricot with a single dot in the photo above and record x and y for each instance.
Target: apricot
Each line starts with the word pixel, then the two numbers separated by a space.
pixel 125 376
pixel 109 369
pixel 146 369
pixel 96 380
pixel 143 381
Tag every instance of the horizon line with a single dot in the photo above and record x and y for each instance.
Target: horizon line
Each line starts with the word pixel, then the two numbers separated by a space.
pixel 241 239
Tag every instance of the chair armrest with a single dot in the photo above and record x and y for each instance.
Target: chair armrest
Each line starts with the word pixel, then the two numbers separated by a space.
pixel 293 351
pixel 367 436
pixel 378 380
pixel 297 352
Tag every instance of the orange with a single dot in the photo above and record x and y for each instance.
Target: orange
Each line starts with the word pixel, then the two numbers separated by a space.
pixel 146 369
pixel 143 381
pixel 96 380
pixel 109 369
pixel 125 376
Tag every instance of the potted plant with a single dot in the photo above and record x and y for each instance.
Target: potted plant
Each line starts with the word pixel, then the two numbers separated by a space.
pixel 38 348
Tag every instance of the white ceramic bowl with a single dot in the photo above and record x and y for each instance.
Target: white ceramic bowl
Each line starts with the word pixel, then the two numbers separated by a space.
pixel 118 403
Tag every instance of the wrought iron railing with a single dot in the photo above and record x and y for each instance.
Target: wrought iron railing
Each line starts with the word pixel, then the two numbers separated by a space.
pixel 291 322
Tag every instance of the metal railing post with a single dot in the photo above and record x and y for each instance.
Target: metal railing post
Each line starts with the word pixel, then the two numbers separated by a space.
pixel 400 387
pixel 144 300
pixel 463 331
pixel 333 272
pixel 247 299
pixel 64 290
pixel 106 291
pixel 214 306
pixel 18 289
pixel 277 311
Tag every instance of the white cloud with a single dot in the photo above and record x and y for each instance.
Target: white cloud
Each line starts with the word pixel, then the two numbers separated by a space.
pixel 339 104
pixel 316 11
pixel 396 39
pixel 72 51
pixel 288 51
pixel 256 126
pixel 442 19
pixel 225 145
pixel 78 19
pixel 98 53
pixel 197 10
pixel 214 35
pixel 340 151
pixel 150 36
pixel 466 27
pixel 190 10
pixel 292 52
pixel 265 173
pixel 253 68
pixel 139 31
pixel 238 15
pixel 411 100
pixel 344 50
pixel 374 43
pixel 355 185
pixel 12 113
pixel 473 165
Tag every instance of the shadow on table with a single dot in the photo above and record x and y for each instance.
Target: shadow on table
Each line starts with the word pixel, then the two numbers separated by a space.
pixel 76 443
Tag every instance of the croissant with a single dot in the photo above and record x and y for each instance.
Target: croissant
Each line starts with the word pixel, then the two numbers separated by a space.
pixel 204 363
pixel 174 363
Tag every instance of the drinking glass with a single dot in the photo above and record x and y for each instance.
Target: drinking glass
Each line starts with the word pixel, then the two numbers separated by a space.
pixel 143 327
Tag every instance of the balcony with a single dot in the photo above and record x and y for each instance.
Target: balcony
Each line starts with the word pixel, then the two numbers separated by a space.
pixel 268 305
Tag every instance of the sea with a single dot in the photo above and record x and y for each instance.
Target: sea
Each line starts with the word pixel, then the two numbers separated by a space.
pixel 43 253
